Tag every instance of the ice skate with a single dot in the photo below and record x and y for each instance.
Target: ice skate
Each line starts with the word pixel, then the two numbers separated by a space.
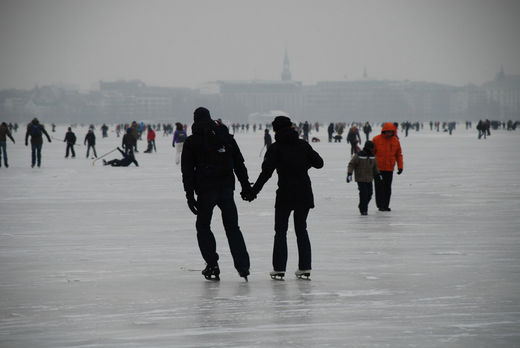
pixel 243 273
pixel 303 274
pixel 211 272
pixel 277 275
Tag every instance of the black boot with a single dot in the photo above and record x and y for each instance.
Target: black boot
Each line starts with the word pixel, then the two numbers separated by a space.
pixel 211 272
pixel 243 273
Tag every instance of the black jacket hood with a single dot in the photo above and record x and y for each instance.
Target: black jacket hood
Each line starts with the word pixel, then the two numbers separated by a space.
pixel 286 136
pixel 203 126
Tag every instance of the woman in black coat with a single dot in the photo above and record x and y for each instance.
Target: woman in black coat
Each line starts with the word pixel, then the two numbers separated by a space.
pixel 292 158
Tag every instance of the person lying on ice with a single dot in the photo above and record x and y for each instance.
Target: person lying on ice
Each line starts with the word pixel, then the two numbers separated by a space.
pixel 128 159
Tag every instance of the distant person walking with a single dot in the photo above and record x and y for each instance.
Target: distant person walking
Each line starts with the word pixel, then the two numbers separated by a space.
pixel 306 129
pixel 70 139
pixel 354 139
pixel 150 137
pixel 330 131
pixel 267 139
pixel 35 130
pixel 367 129
pixel 179 136
pixel 135 133
pixel 4 134
pixel 90 141
pixel 129 141
pixel 291 157
pixel 387 149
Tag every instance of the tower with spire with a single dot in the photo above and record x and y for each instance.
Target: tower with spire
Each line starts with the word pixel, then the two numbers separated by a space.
pixel 500 74
pixel 286 73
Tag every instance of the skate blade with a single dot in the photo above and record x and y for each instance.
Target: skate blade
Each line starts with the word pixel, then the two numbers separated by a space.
pixel 279 277
pixel 214 278
pixel 304 276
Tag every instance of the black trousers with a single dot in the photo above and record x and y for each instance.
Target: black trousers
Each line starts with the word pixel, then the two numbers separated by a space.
pixel 281 224
pixel 206 202
pixel 384 190
pixel 365 195
pixel 71 148
pixel 93 150
pixel 36 154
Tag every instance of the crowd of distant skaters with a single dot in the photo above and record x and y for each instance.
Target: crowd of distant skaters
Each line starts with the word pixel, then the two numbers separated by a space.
pixel 133 132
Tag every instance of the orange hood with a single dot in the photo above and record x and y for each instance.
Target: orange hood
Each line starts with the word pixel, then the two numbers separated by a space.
pixel 389 127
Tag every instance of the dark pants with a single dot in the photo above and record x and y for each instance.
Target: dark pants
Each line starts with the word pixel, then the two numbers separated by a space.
pixel 71 148
pixel 36 154
pixel 93 150
pixel 365 195
pixel 3 150
pixel 354 148
pixel 223 198
pixel 281 224
pixel 384 190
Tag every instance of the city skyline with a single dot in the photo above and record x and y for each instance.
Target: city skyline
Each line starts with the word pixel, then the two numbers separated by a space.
pixel 187 44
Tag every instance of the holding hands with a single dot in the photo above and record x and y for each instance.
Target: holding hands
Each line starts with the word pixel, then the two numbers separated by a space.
pixel 248 192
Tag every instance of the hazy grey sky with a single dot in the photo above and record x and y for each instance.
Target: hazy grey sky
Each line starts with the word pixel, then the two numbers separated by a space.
pixel 186 43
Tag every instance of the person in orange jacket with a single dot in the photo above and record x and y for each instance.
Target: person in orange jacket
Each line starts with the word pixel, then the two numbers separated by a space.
pixel 387 149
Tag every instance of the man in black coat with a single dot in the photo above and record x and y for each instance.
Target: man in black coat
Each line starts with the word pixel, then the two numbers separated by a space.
pixel 70 139
pixel 210 159
pixel 90 141
pixel 35 130
pixel 129 141
pixel 292 158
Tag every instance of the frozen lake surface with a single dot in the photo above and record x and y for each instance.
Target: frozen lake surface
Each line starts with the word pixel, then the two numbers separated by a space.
pixel 94 256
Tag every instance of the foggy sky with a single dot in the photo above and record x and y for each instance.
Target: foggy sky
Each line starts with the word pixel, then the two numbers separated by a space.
pixel 187 43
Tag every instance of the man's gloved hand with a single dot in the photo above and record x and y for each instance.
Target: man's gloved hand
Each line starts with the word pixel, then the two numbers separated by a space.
pixel 192 203
pixel 349 177
pixel 247 193
pixel 399 171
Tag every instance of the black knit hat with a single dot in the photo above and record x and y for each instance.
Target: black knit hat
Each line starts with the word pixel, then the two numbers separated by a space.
pixel 201 114
pixel 369 145
pixel 281 122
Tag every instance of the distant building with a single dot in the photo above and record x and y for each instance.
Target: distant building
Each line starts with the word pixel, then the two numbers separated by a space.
pixel 503 96
pixel 239 101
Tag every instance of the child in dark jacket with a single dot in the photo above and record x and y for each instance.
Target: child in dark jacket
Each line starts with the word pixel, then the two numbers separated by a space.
pixel 364 166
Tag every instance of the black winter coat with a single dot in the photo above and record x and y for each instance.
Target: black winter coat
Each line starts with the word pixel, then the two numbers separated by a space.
pixel 292 158
pixel 36 139
pixel 70 138
pixel 90 139
pixel 267 140
pixel 129 141
pixel 210 159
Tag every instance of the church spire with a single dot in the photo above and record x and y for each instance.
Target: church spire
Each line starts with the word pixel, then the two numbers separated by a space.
pixel 501 73
pixel 286 73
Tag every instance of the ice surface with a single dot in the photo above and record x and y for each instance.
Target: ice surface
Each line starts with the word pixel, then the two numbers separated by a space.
pixel 93 256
